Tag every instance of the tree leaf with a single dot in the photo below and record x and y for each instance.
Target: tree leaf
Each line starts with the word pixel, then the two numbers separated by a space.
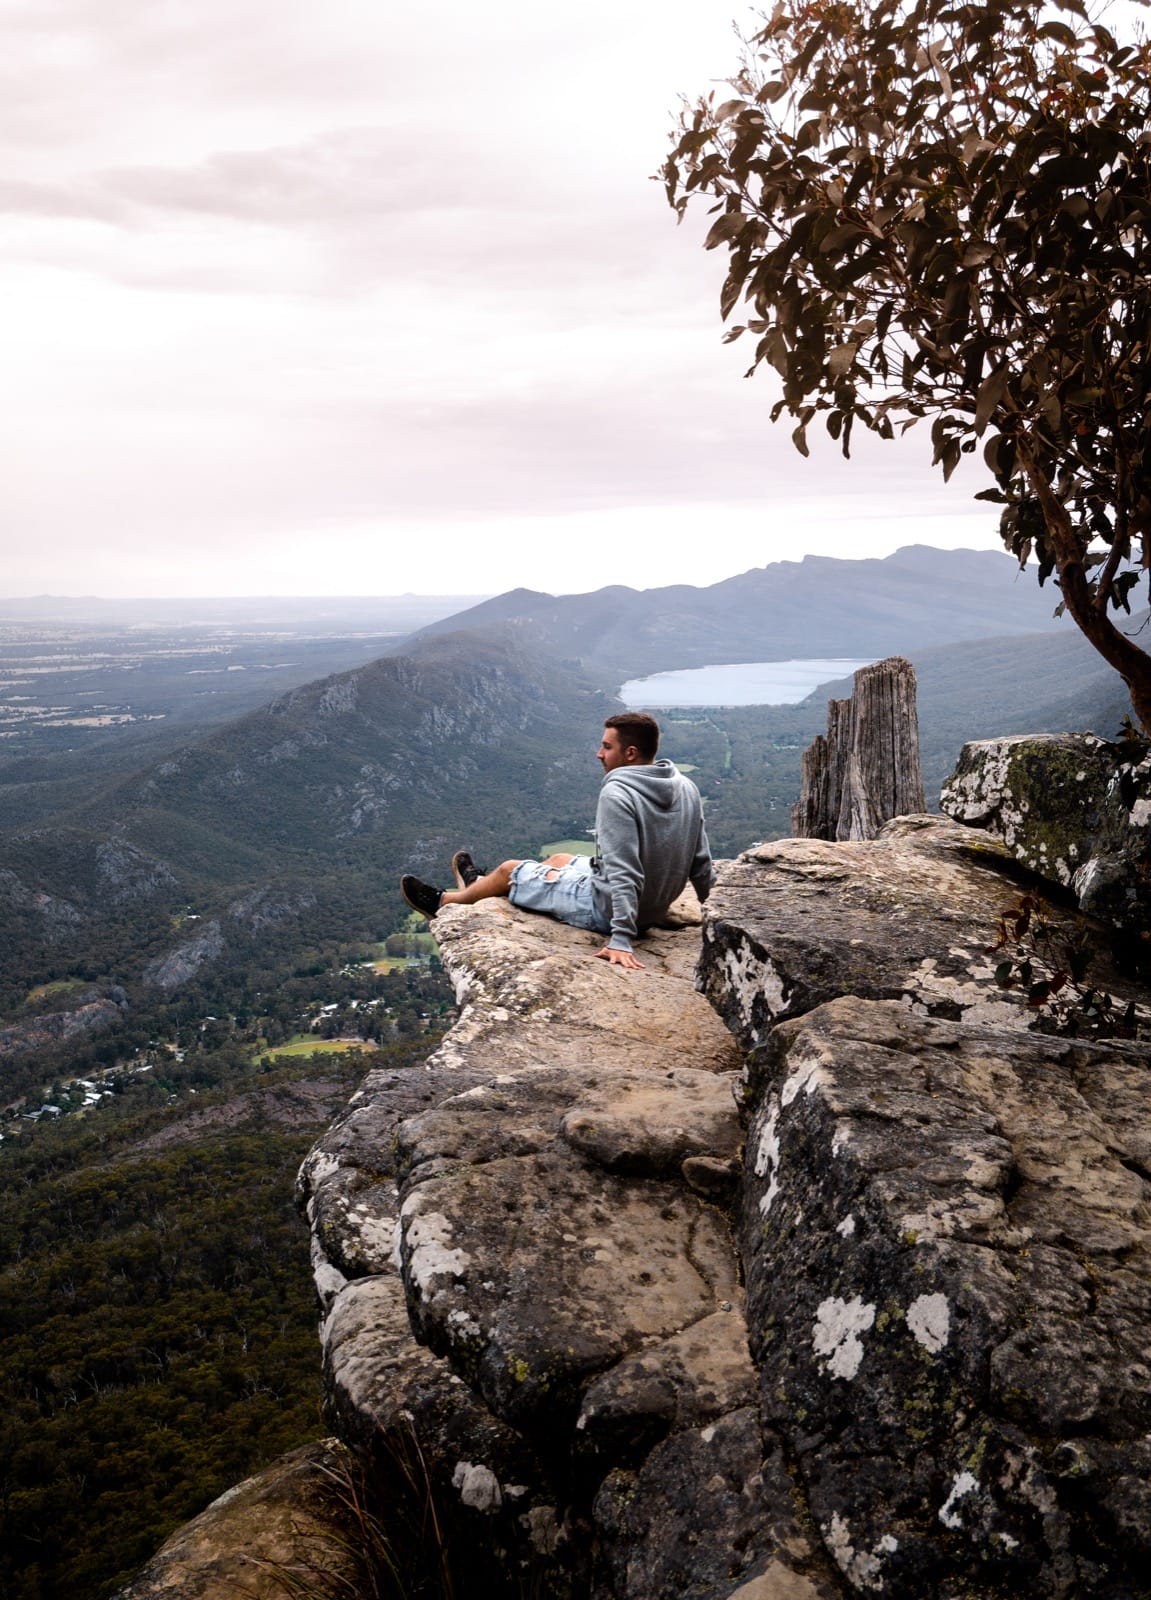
pixel 732 285
pixel 729 226
pixel 840 360
pixel 991 392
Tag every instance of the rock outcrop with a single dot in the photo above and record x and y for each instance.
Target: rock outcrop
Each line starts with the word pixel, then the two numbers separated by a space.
pixel 292 1529
pixel 945 1231
pixel 253 914
pixel 908 916
pixel 88 1014
pixel 944 1226
pixel 938 1383
pixel 185 962
pixel 1073 808
pixel 544 1206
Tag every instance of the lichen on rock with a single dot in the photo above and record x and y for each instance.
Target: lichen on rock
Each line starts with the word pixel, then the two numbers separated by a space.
pixel 1073 808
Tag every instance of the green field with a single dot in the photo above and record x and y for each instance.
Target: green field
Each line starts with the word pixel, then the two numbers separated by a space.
pixel 308 1046
pixel 570 847
pixel 56 990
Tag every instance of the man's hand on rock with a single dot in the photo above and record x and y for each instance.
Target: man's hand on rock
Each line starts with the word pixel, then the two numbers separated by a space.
pixel 620 958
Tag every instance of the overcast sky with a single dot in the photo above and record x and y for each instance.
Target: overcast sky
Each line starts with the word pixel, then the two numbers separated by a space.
pixel 348 296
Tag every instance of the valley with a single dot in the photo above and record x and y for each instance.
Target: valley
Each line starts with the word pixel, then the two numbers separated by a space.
pixel 88 688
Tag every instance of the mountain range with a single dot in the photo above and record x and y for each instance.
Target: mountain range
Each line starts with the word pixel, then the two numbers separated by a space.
pixel 318 800
pixel 818 606
pixel 399 749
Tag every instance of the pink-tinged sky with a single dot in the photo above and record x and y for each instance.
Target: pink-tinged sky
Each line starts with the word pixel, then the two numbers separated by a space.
pixel 346 296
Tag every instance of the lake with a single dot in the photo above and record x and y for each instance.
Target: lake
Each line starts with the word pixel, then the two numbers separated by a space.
pixel 746 683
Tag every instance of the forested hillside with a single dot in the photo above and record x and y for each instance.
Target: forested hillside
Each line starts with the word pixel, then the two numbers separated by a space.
pixel 157 1312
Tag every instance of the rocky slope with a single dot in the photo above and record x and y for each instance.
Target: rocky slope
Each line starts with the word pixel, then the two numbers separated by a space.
pixel 944 1225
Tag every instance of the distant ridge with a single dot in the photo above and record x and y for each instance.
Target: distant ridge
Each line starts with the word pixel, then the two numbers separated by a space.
pixel 403 613
pixel 819 606
pixel 500 608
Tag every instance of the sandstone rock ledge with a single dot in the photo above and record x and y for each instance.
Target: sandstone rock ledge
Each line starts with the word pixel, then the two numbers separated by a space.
pixel 527 1262
pixel 945 1226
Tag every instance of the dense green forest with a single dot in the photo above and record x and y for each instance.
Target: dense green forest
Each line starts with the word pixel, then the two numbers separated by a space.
pixel 157 1313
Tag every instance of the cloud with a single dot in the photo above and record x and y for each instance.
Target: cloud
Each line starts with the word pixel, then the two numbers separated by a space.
pixel 351 279
pixel 345 174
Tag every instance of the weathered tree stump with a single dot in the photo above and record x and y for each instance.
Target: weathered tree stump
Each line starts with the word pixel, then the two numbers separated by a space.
pixel 866 770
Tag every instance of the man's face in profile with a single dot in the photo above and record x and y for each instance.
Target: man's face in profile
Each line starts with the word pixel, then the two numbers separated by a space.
pixel 611 753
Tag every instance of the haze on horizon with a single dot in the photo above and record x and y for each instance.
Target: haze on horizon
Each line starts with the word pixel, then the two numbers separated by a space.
pixel 314 299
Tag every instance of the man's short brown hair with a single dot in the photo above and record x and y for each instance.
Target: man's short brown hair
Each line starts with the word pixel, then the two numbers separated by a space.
pixel 638 729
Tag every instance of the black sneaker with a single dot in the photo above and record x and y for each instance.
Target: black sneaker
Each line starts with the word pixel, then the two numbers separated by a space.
pixel 465 870
pixel 420 896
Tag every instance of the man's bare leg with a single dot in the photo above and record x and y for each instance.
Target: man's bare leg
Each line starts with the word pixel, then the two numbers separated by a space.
pixel 497 882
pixel 427 899
pixel 492 884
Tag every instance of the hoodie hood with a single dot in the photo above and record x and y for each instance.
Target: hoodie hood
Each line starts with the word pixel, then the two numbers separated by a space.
pixel 655 781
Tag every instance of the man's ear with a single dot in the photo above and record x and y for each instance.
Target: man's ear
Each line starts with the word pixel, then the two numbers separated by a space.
pixel 631 756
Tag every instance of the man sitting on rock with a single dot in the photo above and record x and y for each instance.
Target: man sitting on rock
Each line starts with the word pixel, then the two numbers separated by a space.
pixel 649 842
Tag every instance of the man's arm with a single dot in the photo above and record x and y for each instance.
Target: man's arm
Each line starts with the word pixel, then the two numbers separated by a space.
pixel 702 874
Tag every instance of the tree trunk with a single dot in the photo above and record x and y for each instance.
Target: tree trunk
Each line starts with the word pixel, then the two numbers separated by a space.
pixel 866 770
pixel 812 806
pixel 1089 615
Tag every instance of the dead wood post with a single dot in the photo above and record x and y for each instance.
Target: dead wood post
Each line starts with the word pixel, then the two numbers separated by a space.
pixel 866 770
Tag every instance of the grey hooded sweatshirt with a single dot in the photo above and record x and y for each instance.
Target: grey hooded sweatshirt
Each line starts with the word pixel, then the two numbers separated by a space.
pixel 649 841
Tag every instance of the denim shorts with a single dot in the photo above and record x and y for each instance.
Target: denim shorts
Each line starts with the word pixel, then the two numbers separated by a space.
pixel 567 896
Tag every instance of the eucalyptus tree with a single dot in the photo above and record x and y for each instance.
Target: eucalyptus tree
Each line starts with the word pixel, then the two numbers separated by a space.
pixel 940 212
